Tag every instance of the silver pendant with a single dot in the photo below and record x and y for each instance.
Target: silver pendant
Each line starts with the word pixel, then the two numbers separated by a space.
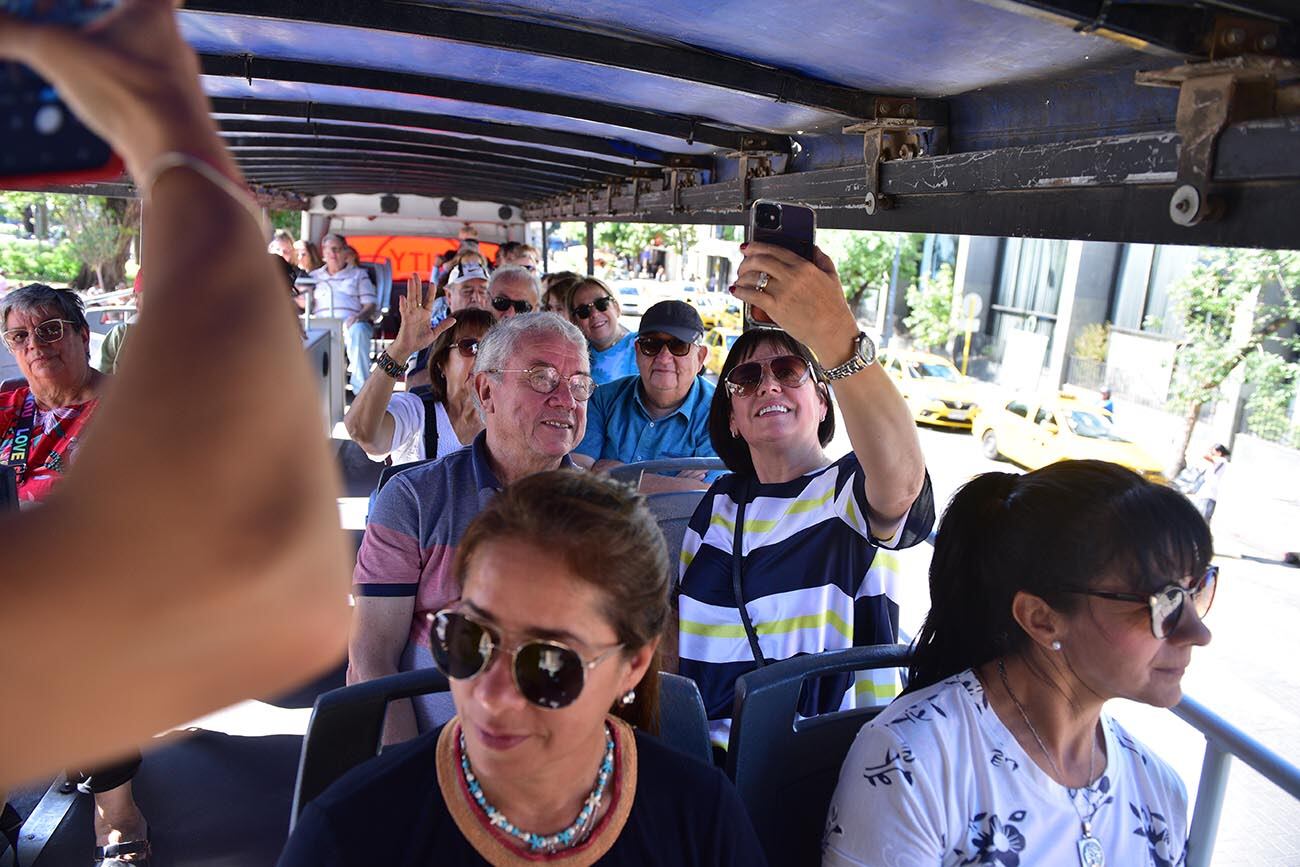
pixel 1090 852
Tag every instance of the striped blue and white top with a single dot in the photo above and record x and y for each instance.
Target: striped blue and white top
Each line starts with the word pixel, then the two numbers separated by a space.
pixel 814 579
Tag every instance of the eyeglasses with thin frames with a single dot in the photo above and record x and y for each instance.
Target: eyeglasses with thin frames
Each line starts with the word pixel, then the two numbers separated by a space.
pixel 583 311
pixel 544 379
pixel 49 331
pixel 1167 603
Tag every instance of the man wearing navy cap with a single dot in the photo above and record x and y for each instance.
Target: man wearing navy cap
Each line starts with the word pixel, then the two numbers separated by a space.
pixel 663 412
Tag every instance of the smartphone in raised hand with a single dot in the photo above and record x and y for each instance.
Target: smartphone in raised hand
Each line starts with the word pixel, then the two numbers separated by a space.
pixel 44 143
pixel 793 227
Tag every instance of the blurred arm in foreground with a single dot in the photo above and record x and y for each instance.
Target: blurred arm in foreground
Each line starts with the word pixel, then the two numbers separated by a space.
pixel 192 557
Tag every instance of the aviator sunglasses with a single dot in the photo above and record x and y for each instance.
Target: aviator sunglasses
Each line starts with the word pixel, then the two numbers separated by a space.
pixel 501 304
pixel 652 346
pixel 583 311
pixel 466 346
pixel 1168 602
pixel 49 331
pixel 790 371
pixel 548 674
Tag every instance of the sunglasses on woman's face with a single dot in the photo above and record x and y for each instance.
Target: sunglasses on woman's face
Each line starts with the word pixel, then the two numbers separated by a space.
pixel 548 674
pixel 583 311
pixel 652 346
pixel 501 304
pixel 790 371
pixel 466 346
pixel 1167 603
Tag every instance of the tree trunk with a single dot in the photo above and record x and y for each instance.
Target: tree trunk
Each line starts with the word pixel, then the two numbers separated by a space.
pixel 1189 425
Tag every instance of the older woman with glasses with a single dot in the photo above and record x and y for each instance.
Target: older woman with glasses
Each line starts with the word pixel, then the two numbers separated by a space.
pixel 553 673
pixel 595 310
pixel 45 418
pixel 1053 592
pixel 784 555
pixel 442 415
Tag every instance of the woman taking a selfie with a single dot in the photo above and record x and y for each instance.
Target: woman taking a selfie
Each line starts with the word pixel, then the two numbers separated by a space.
pixel 782 556
pixel 553 671
pixel 1053 592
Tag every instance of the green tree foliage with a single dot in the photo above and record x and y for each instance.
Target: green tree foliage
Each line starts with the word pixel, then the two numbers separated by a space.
pixel 1208 303
pixel 94 237
pixel 1092 342
pixel 1268 408
pixel 629 239
pixel 290 221
pixel 931 320
pixel 866 261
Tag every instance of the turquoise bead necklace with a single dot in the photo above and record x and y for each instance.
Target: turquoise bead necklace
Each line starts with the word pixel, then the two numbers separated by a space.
pixel 570 836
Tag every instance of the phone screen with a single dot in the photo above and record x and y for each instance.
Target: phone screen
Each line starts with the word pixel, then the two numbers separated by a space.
pixel 44 142
pixel 793 227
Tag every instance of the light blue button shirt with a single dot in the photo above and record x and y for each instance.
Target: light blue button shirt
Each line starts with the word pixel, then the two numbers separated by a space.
pixel 619 426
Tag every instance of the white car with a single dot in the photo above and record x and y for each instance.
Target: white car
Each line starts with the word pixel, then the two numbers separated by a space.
pixel 629 299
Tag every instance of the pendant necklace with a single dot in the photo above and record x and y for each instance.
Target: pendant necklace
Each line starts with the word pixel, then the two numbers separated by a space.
pixel 1090 852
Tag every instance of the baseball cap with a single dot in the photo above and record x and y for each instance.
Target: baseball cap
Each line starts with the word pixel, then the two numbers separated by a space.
pixel 672 317
pixel 466 271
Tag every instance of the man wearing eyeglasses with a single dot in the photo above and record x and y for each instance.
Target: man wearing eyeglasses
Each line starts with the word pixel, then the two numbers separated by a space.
pixel 663 411
pixel 512 290
pixel 532 381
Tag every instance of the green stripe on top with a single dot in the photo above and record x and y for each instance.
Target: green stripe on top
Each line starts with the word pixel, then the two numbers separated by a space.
pixel 820 620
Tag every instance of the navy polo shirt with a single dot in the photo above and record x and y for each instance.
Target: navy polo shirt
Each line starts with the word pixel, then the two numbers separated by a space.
pixel 619 426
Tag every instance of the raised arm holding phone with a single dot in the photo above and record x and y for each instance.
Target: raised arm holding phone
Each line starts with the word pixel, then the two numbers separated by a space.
pixel 174 570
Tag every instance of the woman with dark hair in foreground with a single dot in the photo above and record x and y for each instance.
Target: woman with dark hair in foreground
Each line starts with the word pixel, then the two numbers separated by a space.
pixel 552 652
pixel 1051 593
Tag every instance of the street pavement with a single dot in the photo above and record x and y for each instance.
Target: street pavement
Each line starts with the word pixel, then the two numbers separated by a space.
pixel 1246 675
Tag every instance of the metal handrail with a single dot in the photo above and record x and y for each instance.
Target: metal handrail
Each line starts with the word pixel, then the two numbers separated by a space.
pixel 1223 741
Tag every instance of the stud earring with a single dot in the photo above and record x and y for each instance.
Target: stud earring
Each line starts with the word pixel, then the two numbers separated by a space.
pixel 628 697
pixel 1056 645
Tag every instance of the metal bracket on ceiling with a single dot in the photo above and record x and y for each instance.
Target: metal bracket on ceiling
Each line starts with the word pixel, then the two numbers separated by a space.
pixel 678 180
pixel 1211 96
pixel 753 164
pixel 894 134
pixel 1233 36
pixel 248 69
pixel 639 186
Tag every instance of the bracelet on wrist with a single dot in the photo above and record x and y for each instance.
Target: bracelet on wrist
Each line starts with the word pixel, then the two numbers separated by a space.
pixel 388 365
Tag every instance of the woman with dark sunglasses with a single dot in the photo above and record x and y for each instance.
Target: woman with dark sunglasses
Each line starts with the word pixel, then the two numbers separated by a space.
pixel 551 756
pixel 781 556
pixel 1053 592
pixel 399 424
pixel 595 310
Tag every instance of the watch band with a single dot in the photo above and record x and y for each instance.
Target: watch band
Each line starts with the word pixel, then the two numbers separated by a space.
pixel 864 353
pixel 386 363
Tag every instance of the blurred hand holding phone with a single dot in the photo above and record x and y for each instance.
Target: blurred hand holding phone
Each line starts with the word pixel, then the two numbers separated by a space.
pixel 793 227
pixel 44 142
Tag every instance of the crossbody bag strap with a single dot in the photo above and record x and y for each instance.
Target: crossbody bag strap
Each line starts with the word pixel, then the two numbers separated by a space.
pixel 736 557
pixel 430 421
pixel 21 449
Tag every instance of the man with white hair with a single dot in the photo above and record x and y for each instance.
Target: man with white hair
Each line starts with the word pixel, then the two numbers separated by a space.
pixel 345 292
pixel 532 380
pixel 513 290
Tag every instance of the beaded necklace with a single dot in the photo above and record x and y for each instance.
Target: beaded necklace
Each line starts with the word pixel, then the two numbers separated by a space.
pixel 568 838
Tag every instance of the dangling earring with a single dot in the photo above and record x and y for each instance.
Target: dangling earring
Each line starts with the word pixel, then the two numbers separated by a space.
pixel 735 434
pixel 628 697
pixel 1056 645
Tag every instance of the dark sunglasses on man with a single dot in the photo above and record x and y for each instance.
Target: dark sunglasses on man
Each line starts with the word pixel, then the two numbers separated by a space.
pixel 652 346
pixel 583 311
pixel 1167 603
pixel 549 674
pixel 501 304
pixel 790 371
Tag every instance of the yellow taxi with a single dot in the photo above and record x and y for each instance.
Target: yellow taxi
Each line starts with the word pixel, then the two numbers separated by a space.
pixel 716 309
pixel 1035 431
pixel 932 387
pixel 719 341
